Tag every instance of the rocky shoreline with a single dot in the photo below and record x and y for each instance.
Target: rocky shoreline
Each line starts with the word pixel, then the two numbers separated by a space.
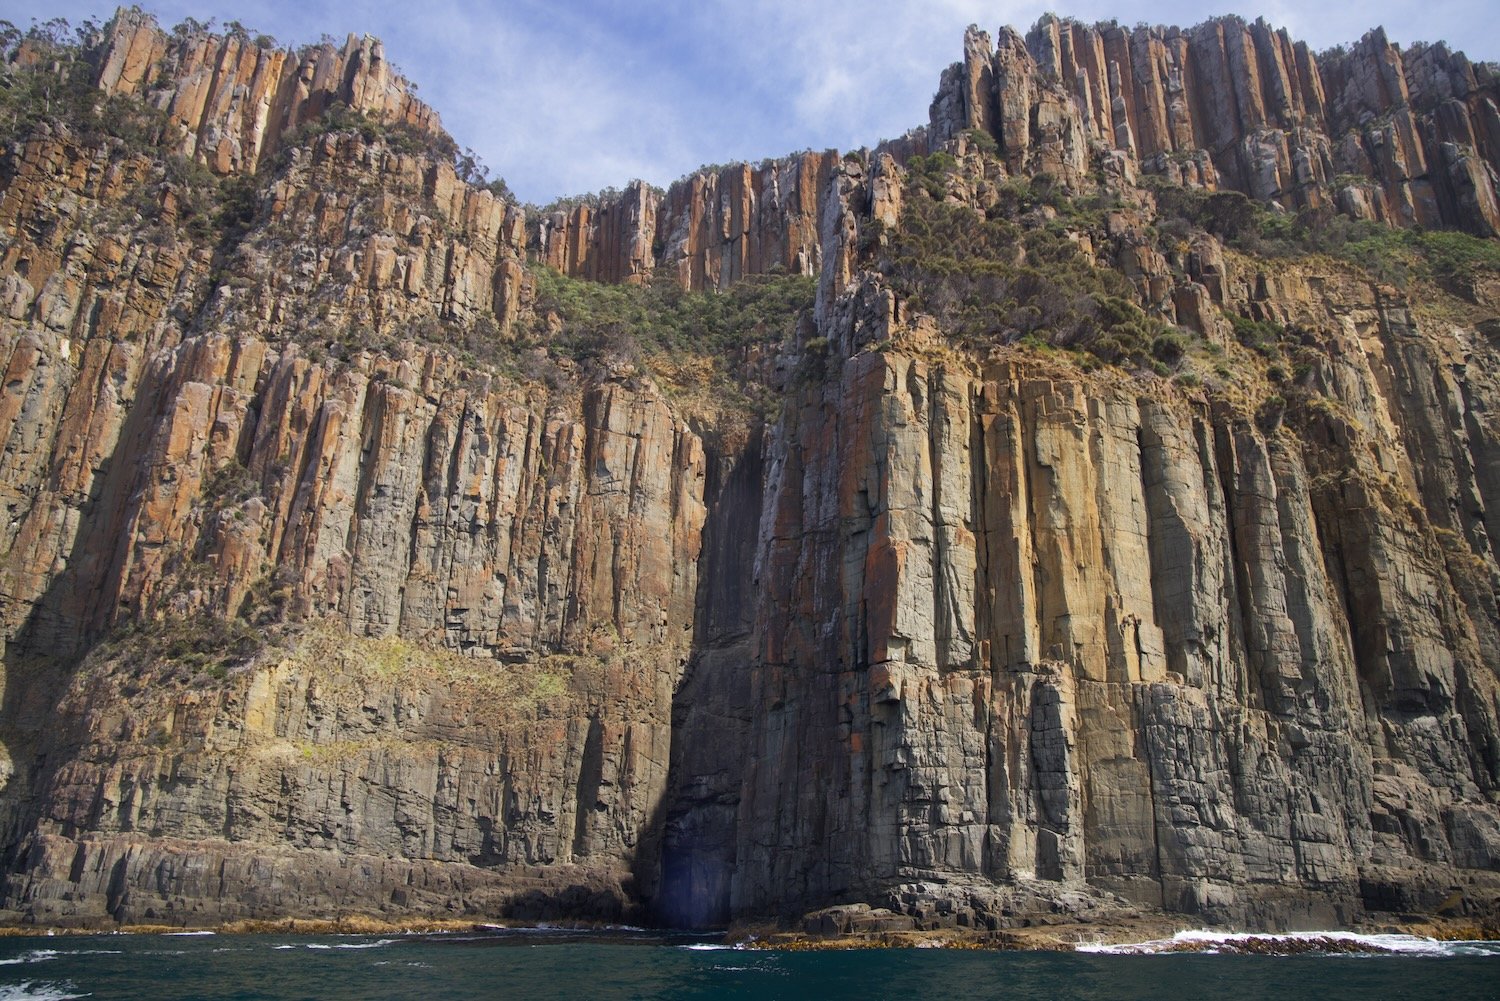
pixel 1130 936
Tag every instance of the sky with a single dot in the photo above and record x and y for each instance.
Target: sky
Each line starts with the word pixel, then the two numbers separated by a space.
pixel 563 97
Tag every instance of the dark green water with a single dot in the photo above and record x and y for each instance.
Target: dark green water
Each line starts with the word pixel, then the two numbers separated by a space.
pixel 626 965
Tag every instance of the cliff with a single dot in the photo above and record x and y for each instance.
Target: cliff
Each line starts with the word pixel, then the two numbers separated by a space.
pixel 979 528
pixel 1412 138
pixel 710 229
pixel 1408 138
pixel 230 100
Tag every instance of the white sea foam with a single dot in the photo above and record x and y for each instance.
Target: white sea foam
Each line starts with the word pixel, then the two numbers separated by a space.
pixel 43 955
pixel 707 946
pixel 34 956
pixel 379 943
pixel 33 991
pixel 187 934
pixel 1336 942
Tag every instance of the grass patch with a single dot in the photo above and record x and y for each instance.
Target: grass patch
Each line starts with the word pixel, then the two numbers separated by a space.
pixel 505 691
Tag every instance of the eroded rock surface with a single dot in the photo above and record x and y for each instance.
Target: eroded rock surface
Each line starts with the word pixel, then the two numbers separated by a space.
pixel 954 637
pixel 1406 137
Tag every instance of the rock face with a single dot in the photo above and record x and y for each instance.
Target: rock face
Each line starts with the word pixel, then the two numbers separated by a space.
pixel 232 99
pixel 710 229
pixel 1409 138
pixel 1412 138
pixel 1019 628
pixel 958 637
pixel 436 249
pixel 420 785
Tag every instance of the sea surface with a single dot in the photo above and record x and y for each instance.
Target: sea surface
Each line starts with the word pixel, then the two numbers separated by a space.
pixel 633 964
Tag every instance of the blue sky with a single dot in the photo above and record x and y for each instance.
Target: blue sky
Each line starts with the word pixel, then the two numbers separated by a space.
pixel 560 98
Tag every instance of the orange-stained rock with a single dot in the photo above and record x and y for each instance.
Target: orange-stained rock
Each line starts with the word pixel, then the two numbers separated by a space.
pixel 1241 106
pixel 710 229
pixel 232 101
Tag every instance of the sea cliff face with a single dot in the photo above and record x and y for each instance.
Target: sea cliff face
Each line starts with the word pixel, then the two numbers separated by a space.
pixel 1068 630
pixel 343 574
pixel 1409 137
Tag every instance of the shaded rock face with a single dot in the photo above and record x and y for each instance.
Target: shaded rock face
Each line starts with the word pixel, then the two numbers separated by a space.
pixel 315 784
pixel 951 639
pixel 1406 137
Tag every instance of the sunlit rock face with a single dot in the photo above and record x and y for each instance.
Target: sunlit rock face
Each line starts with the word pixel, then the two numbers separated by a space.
pixel 1411 138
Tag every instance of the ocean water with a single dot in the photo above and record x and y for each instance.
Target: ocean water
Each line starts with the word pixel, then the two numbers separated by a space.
pixel 629 964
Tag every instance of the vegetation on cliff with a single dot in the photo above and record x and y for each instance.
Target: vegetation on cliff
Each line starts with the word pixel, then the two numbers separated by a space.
pixel 715 350
pixel 1015 271
pixel 1412 259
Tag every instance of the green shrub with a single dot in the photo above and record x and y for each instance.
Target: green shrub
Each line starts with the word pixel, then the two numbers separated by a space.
pixel 1261 336
pixel 1393 255
pixel 987 281
pixel 230 484
pixel 661 316
pixel 659 325
pixel 58 86
pixel 982 141
pixel 1168 347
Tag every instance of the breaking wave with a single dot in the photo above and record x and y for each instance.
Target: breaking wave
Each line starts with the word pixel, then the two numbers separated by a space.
pixel 34 956
pixel 378 944
pixel 1294 943
pixel 30 991
pixel 43 955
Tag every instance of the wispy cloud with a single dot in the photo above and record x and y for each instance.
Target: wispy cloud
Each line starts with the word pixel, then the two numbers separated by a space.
pixel 566 97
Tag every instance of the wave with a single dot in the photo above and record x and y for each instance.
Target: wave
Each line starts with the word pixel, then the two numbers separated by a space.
pixel 34 956
pixel 43 955
pixel 1294 943
pixel 708 947
pixel 32 991
pixel 378 944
